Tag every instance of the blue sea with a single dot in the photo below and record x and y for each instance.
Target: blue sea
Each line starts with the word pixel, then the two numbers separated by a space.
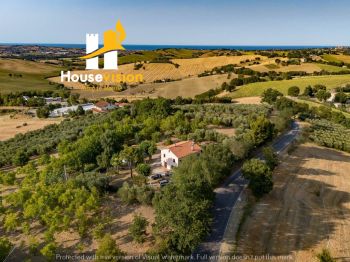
pixel 198 47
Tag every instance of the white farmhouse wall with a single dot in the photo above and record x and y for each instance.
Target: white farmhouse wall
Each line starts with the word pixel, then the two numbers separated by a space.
pixel 168 159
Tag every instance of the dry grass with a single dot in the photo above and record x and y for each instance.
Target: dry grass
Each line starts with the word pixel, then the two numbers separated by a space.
pixel 253 100
pixel 188 87
pixel 308 209
pixel 307 67
pixel 17 65
pixel 118 215
pixel 159 71
pixel 11 126
pixel 121 218
pixel 230 132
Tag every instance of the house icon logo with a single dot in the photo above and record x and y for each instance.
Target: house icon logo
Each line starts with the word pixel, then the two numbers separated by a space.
pixel 112 42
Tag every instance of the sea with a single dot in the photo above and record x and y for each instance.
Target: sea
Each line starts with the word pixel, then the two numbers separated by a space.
pixel 197 47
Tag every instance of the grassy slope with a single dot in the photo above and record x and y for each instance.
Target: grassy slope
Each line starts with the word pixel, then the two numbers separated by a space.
pixel 33 76
pixel 317 104
pixel 330 58
pixel 337 58
pixel 331 68
pixel 256 89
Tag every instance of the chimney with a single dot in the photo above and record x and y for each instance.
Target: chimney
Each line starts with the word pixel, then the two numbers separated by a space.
pixel 192 146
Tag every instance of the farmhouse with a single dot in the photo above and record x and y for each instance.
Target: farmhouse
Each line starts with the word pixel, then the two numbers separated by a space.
pixel 172 155
pixel 104 106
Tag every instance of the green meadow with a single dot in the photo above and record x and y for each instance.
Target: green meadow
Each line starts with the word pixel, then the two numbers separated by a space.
pixel 256 89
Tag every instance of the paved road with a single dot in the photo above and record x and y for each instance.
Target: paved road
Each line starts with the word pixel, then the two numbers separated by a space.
pixel 225 199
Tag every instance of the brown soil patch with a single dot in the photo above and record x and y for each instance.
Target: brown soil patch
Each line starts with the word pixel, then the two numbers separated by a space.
pixel 230 132
pixel 253 100
pixel 308 209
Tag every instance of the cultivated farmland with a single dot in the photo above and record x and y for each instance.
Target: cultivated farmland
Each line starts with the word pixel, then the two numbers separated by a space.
pixel 308 209
pixel 161 71
pixel 20 124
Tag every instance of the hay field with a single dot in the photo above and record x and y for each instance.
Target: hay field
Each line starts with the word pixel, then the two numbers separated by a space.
pixel 11 126
pixel 256 89
pixel 23 66
pixel 189 87
pixel 160 71
pixel 308 209
pixel 29 75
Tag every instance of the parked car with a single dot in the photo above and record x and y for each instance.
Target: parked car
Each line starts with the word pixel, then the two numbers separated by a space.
pixel 163 182
pixel 156 176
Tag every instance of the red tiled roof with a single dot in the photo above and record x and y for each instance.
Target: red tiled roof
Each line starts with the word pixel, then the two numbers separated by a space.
pixel 184 148
pixel 101 104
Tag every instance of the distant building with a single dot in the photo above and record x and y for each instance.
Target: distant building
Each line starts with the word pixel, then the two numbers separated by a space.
pixel 172 155
pixel 104 106
pixel 63 111
pixel 303 60
pixel 53 100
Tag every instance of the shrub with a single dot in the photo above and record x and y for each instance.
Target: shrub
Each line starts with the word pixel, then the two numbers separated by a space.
pixel 49 251
pixel 143 169
pixel 108 250
pixel 8 178
pixel 138 228
pixel 270 157
pixel 293 91
pixel 259 175
pixel 270 96
pixel 144 195
pixel 5 247
pixel 130 194
pixel 325 256
pixel 11 221
pixel 20 158
pixel 33 246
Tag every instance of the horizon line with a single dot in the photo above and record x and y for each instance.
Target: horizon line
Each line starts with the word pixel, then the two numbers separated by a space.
pixel 252 45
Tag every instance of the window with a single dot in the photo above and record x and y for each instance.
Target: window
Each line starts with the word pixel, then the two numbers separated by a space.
pixel 173 160
pixel 163 155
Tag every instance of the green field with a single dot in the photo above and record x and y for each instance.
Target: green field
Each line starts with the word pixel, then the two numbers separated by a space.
pixel 256 89
pixel 330 58
pixel 331 68
pixel 337 58
pixel 20 75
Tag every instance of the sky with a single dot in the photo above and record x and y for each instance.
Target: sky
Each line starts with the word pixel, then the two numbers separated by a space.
pixel 179 22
